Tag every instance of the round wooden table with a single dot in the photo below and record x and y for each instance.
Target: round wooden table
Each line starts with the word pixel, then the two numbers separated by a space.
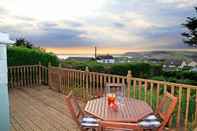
pixel 131 110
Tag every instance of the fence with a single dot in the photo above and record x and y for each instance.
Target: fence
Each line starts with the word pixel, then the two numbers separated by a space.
pixel 87 85
pixel 27 76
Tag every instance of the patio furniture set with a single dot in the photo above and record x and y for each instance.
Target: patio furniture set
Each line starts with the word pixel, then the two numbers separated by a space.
pixel 114 111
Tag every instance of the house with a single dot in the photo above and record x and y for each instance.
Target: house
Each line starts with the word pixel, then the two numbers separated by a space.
pixel 4 113
pixel 194 69
pixel 170 65
pixel 183 64
pixel 105 59
pixel 192 64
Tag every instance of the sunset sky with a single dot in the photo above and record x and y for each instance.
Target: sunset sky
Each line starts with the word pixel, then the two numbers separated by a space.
pixel 114 26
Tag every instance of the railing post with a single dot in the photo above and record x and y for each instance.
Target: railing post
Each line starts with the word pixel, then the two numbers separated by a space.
pixel 86 74
pixel 40 73
pixel 49 74
pixel 60 78
pixel 129 76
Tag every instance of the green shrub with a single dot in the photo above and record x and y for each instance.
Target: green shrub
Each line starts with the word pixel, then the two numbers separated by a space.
pixel 96 67
pixel 119 69
pixel 25 56
pixel 159 78
pixel 142 70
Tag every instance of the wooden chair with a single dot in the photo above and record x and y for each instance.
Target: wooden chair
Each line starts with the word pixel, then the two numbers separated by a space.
pixel 78 115
pixel 162 115
pixel 110 87
pixel 113 87
pixel 118 126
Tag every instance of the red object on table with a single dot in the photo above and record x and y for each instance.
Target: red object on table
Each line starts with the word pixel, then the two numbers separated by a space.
pixel 111 99
pixel 131 111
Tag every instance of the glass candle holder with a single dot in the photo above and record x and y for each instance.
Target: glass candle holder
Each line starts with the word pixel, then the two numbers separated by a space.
pixel 111 99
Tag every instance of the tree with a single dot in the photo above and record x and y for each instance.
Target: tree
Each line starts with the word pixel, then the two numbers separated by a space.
pixel 24 43
pixel 190 37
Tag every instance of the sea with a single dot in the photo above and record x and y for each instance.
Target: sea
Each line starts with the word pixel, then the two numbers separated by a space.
pixel 66 56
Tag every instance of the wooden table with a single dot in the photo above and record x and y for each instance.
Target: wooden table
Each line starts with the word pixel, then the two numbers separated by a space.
pixel 131 110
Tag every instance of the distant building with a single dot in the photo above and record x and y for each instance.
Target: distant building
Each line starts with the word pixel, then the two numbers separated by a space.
pixel 192 64
pixel 179 65
pixel 79 58
pixel 105 59
pixel 183 64
pixel 194 69
pixel 170 65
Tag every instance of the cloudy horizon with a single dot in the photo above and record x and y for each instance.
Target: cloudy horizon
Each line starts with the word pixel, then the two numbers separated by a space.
pixel 128 24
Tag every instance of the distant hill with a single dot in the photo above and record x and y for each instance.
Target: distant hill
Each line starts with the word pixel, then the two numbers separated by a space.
pixel 178 55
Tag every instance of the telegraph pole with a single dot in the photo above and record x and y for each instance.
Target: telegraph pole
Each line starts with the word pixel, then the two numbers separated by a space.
pixel 95 51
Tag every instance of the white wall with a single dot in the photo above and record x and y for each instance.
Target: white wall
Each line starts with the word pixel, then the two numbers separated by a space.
pixel 4 102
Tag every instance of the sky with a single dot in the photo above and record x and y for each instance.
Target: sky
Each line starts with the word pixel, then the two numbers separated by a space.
pixel 114 26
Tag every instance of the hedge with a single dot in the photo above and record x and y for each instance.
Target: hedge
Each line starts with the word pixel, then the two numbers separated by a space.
pixel 142 70
pixel 25 56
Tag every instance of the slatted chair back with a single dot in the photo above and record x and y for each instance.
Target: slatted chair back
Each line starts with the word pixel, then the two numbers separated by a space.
pixel 166 108
pixel 74 107
pixel 114 87
pixel 119 126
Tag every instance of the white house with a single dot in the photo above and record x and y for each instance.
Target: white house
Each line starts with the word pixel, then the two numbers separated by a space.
pixel 105 59
pixel 183 64
pixel 188 64
pixel 194 69
pixel 192 64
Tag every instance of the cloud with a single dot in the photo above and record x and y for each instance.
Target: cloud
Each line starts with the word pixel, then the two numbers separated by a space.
pixel 112 23
pixel 179 3
pixel 3 10
pixel 55 37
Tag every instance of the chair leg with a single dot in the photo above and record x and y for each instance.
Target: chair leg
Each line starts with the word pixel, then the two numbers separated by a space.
pixel 100 128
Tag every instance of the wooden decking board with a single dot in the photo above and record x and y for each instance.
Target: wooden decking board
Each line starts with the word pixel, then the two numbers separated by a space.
pixel 44 112
pixel 40 119
pixel 55 102
pixel 20 118
pixel 32 109
pixel 15 126
pixel 29 111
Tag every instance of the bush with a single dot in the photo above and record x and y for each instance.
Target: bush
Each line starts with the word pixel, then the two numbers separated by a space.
pixel 96 67
pixel 25 56
pixel 119 69
pixel 142 70
pixel 159 78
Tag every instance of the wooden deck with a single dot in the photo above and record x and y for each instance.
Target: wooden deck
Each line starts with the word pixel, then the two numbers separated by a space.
pixel 39 109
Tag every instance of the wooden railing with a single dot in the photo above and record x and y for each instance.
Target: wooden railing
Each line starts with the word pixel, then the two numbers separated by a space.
pixel 151 91
pixel 88 85
pixel 27 76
